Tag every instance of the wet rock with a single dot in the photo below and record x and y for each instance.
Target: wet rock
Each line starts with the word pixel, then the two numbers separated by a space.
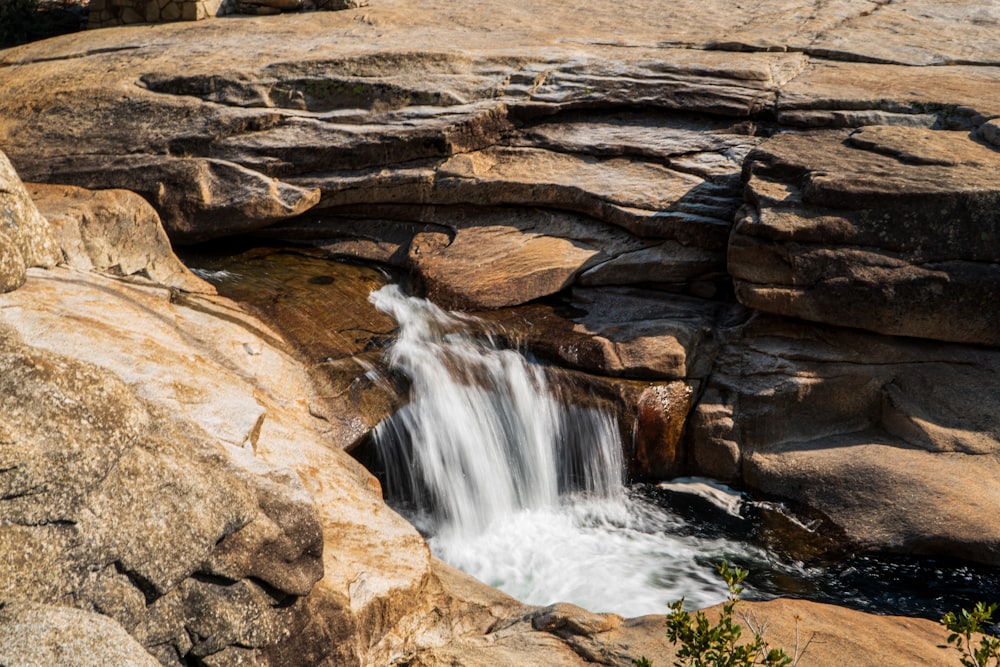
pixel 888 228
pixel 321 308
pixel 532 252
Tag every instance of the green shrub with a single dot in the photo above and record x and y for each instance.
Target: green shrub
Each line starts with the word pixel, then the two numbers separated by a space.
pixel 703 644
pixel 966 623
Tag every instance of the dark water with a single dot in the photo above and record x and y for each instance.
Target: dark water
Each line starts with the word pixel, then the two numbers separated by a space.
pixel 887 584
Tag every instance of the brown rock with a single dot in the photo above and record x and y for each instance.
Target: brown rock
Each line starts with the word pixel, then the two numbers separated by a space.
pixel 829 636
pixel 889 229
pixel 629 193
pixel 94 479
pixel 22 224
pixel 293 291
pixel 229 416
pixel 878 34
pixel 662 412
pixel 479 257
pixel 884 436
pixel 38 634
pixel 852 94
pixel 12 266
pixel 619 332
pixel 707 147
pixel 197 199
pixel 112 231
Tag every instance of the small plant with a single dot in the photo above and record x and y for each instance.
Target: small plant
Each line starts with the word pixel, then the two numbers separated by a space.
pixel 966 623
pixel 705 645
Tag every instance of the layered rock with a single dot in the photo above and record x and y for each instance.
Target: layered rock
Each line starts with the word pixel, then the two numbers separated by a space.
pixel 890 229
pixel 884 436
pixel 579 159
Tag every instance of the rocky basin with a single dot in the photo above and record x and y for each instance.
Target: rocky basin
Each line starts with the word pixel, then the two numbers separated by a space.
pixel 768 232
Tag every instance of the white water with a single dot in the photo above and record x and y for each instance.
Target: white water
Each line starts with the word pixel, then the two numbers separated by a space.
pixel 519 490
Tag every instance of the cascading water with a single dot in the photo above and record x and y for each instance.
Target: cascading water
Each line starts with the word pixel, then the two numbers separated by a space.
pixel 519 490
pixel 574 534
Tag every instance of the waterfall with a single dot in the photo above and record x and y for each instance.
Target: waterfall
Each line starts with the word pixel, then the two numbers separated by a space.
pixel 483 437
pixel 517 488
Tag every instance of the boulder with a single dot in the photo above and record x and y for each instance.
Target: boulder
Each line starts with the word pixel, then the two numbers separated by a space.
pixel 205 499
pixel 112 231
pixel 116 508
pixel 25 239
pixel 990 132
pixel 890 229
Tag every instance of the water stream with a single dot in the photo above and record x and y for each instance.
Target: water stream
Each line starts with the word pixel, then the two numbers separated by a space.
pixel 526 492
pixel 520 490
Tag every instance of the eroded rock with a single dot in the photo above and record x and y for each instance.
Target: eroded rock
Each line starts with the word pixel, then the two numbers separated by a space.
pixel 884 436
pixel 890 229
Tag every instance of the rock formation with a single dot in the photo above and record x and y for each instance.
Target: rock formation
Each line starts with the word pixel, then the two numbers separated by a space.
pixel 768 233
